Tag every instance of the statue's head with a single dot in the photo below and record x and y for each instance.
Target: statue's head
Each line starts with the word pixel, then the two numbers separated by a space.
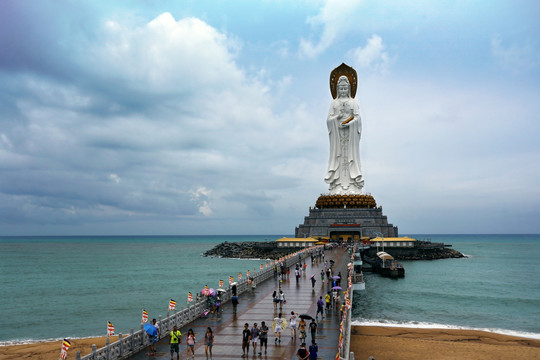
pixel 343 87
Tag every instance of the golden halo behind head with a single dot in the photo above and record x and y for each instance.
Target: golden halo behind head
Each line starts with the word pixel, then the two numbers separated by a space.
pixel 347 71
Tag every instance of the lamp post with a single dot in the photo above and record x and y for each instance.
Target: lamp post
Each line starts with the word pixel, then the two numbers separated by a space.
pixel 382 240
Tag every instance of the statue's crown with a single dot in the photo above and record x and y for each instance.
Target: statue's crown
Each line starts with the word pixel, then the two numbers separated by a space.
pixel 343 80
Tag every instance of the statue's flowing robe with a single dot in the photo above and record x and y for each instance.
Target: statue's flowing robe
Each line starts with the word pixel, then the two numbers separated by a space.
pixel 349 181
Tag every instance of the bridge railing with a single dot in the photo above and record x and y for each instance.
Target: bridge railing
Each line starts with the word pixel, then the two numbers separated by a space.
pixel 344 341
pixel 137 341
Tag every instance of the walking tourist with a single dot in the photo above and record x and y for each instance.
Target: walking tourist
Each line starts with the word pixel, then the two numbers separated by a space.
pixel 320 308
pixel 313 329
pixel 327 299
pixel 190 340
pixel 293 323
pixel 279 325
pixel 275 299
pixel 246 338
pixel 302 353
pixel 302 329
pixel 208 342
pixel 313 349
pixel 255 332
pixel 281 299
pixel 176 339
pixel 263 337
pixel 313 280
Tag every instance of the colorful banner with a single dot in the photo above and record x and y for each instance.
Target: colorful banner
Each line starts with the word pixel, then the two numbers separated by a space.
pixel 172 304
pixel 220 284
pixel 262 266
pixel 231 280
pixel 144 316
pixel 239 276
pixel 247 273
pixel 110 328
pixel 65 346
pixel 189 297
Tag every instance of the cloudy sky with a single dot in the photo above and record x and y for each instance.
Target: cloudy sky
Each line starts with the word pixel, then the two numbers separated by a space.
pixel 209 117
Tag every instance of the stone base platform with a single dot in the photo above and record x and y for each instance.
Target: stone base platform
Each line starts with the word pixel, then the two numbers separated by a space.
pixel 342 218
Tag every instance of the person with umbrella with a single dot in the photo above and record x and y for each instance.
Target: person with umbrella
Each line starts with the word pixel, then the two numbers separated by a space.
pixel 313 280
pixel 302 328
pixel 156 338
pixel 152 332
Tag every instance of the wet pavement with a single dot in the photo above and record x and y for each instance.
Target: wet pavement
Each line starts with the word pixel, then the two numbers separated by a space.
pixel 258 306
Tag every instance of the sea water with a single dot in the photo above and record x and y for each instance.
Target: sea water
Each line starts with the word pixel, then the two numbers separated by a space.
pixel 56 287
pixel 495 288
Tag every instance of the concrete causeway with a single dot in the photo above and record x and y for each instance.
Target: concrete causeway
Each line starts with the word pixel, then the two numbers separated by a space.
pixel 258 306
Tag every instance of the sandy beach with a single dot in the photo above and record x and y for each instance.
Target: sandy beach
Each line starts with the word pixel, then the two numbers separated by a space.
pixel 50 350
pixel 380 342
pixel 412 343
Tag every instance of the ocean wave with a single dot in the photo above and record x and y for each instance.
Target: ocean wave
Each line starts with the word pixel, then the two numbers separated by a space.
pixel 426 325
pixel 35 341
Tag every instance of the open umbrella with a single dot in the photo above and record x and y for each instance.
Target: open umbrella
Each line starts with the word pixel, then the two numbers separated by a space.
pixel 305 316
pixel 336 288
pixel 212 292
pixel 234 283
pixel 205 291
pixel 312 276
pixel 335 277
pixel 150 329
pixel 221 290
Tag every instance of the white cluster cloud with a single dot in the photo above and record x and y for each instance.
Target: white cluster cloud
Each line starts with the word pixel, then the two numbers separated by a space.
pixel 156 110
pixel 155 124
pixel 372 56
pixel 336 17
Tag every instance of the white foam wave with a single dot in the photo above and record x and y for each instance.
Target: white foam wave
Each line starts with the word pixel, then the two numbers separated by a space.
pixel 34 341
pixel 426 325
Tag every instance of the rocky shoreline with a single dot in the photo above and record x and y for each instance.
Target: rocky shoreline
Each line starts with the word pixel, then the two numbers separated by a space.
pixel 269 250
pixel 432 254
pixel 249 250
pixel 424 250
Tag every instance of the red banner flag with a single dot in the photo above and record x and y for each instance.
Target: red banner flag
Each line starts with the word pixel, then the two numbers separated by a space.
pixel 144 316
pixel 231 280
pixel 189 297
pixel 65 346
pixel 172 304
pixel 220 284
pixel 110 328
pixel 239 276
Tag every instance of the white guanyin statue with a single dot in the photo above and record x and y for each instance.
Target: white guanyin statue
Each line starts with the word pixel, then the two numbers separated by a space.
pixel 344 130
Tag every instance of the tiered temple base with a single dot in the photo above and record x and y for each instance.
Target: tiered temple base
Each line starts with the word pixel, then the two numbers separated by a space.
pixel 344 217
